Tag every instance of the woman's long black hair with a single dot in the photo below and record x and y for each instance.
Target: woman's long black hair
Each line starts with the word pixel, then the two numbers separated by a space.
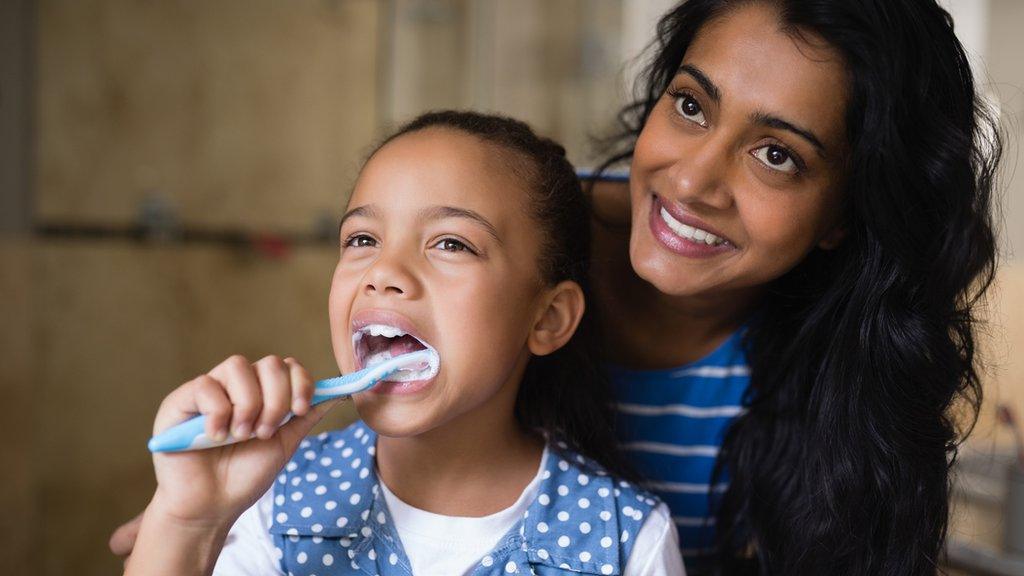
pixel 567 393
pixel 863 358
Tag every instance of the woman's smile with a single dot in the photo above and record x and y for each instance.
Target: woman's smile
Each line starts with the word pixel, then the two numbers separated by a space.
pixel 685 234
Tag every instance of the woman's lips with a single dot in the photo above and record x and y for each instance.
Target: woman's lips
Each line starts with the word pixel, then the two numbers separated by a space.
pixel 669 231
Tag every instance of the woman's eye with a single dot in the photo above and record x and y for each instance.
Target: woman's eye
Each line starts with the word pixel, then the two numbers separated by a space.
pixel 777 158
pixel 452 245
pixel 360 241
pixel 688 108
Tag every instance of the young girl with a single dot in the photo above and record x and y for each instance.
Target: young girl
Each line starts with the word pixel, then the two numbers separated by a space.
pixel 466 234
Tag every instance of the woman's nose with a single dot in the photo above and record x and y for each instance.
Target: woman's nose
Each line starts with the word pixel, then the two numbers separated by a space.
pixel 391 276
pixel 701 173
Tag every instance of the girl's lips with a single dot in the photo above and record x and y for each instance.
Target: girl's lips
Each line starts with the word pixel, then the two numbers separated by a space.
pixel 675 242
pixel 369 317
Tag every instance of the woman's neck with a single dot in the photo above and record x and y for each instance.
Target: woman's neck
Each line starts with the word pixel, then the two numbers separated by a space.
pixel 475 465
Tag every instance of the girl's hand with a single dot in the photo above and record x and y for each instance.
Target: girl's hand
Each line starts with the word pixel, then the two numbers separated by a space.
pixel 210 488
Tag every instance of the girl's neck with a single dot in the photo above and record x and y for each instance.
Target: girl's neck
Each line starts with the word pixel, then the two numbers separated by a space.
pixel 474 466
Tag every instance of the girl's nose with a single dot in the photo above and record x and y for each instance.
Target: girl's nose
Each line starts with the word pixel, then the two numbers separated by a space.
pixel 390 276
pixel 700 174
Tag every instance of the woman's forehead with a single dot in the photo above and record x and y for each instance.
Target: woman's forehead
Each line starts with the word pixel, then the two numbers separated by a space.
pixel 759 67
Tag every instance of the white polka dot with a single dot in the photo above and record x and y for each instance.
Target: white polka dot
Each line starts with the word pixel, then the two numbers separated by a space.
pixel 372 451
pixel 563 515
pixel 605 515
pixel 580 459
pixel 583 479
pixel 606 542
pixel 544 499
pixel 320 490
pixel 584 503
pixel 563 465
pixel 328 559
pixel 628 511
pixel 366 531
pixel 301 558
pixel 296 496
pixel 372 554
pixel 564 566
pixel 278 553
pixel 346 452
pixel 354 565
pixel 293 532
pixel 359 432
pixel 393 559
pixel 279 499
pixel 317 539
pixel 584 556
pixel 317 528
pixel 607 569
pixel 563 541
pixel 563 490
pixel 602 492
pixel 335 473
pixel 542 527
pixel 326 461
pixel 382 518
pixel 306 512
pixel 546 475
pixel 510 567
pixel 281 518
pixel 345 485
pixel 487 560
pixel 330 505
pixel 625 536
pixel 338 444
pixel 309 455
pixel 585 527
pixel 342 522
pixel 543 554
pixel 357 463
pixel 638 515
pixel 304 444
pixel 345 542
pixel 364 473
pixel 354 499
pixel 563 445
pixel 365 514
pixel 311 477
pixel 296 481
pixel 291 467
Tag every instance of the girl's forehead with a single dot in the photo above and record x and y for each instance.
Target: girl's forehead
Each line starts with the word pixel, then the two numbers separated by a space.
pixel 439 166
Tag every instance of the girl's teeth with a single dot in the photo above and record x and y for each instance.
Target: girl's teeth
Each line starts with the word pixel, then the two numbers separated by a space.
pixel 689 232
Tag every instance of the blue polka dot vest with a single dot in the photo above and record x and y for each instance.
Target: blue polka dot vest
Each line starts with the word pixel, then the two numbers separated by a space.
pixel 330 518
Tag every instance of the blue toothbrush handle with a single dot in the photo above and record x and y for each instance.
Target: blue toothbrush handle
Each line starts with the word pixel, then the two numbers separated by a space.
pixel 191 435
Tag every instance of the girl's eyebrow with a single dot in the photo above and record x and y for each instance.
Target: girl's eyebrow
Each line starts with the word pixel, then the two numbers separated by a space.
pixel 429 213
pixel 759 118
pixel 441 212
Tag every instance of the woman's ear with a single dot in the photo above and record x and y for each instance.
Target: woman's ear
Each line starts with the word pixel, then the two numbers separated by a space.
pixel 562 309
pixel 833 238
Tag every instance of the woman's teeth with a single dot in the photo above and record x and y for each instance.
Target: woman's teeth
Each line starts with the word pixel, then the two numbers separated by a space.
pixel 689 232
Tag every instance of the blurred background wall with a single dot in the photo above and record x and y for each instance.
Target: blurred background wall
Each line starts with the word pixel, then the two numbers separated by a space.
pixel 171 174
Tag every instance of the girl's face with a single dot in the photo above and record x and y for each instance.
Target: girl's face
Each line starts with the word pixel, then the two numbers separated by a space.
pixel 737 173
pixel 437 243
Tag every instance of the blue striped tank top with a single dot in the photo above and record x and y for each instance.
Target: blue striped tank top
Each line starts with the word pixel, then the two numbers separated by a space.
pixel 671 424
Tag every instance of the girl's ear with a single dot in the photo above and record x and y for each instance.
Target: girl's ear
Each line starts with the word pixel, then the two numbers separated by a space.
pixel 556 322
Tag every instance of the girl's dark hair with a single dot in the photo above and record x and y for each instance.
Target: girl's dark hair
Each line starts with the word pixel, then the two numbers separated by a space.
pixel 862 358
pixel 565 393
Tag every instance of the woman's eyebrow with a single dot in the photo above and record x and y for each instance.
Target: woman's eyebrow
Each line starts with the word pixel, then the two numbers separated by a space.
pixel 760 118
pixel 441 212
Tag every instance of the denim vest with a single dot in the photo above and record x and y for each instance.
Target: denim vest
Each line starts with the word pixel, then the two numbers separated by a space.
pixel 330 518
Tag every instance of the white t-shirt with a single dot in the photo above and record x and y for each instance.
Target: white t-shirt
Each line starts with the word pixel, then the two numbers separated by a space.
pixel 449 545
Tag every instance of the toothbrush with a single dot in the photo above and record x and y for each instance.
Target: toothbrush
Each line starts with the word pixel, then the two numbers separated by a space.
pixel 190 435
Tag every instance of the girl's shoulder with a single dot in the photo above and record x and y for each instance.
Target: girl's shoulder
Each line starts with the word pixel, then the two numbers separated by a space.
pixel 582 518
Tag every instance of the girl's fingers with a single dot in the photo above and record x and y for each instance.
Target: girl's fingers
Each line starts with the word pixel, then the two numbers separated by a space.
pixel 243 388
pixel 212 401
pixel 302 387
pixel 277 394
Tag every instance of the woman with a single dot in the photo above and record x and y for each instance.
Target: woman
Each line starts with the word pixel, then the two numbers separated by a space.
pixel 791 305
pixel 810 197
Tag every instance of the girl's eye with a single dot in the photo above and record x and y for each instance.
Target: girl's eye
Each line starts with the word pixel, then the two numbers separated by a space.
pixel 452 245
pixel 777 158
pixel 688 107
pixel 360 241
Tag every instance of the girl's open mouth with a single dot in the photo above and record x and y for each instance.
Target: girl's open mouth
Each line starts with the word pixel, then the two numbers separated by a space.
pixel 376 343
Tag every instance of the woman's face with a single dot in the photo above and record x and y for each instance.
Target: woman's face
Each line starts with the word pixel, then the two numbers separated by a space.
pixel 738 171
